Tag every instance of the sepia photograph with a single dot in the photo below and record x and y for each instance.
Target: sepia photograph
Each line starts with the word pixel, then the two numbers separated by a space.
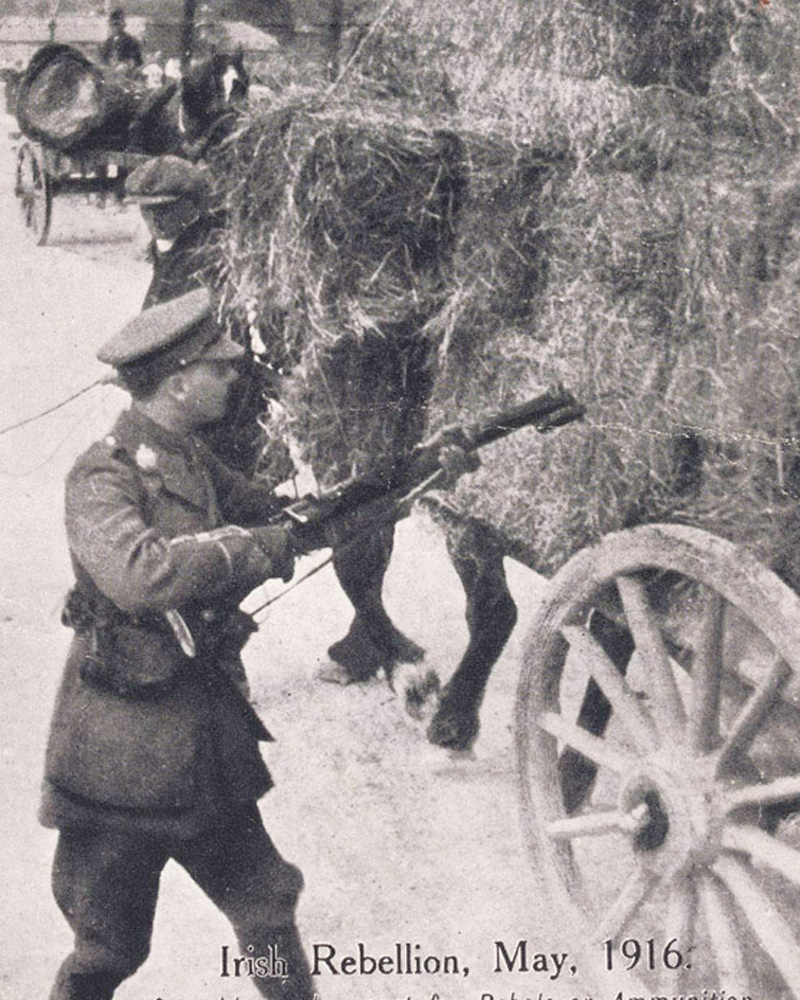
pixel 400 460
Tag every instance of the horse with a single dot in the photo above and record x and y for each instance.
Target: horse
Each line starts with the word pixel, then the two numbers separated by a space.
pixel 404 381
pixel 190 116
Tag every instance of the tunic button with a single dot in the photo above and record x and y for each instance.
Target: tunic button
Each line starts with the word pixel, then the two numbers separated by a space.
pixel 209 614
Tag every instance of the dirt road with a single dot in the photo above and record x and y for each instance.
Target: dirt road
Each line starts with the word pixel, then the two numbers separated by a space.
pixel 398 841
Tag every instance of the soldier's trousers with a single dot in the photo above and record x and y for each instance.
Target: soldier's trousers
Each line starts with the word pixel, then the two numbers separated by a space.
pixel 106 884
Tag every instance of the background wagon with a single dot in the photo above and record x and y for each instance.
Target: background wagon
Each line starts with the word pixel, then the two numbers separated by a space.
pixel 76 119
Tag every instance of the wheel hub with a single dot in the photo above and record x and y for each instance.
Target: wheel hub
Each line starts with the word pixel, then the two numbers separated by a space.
pixel 680 822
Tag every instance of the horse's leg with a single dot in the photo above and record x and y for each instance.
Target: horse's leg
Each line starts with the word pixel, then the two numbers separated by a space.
pixel 576 772
pixel 385 371
pixel 477 555
pixel 372 641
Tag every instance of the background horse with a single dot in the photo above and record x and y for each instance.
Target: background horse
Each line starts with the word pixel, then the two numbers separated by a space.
pixel 190 116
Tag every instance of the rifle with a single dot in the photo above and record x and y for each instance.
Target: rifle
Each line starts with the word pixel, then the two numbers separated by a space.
pixel 380 496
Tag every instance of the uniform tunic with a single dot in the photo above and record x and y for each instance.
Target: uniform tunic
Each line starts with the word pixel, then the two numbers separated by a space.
pixel 150 521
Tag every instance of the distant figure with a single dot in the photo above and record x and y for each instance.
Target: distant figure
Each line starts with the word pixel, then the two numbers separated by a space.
pixel 176 203
pixel 120 50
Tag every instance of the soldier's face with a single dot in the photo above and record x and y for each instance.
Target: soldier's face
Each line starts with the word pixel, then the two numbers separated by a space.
pixel 167 222
pixel 204 388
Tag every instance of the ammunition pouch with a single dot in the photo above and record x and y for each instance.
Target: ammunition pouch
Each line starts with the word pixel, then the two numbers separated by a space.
pixel 132 656
pixel 139 656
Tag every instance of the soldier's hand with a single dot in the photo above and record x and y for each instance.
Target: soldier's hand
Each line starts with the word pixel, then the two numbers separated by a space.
pixel 455 454
pixel 277 550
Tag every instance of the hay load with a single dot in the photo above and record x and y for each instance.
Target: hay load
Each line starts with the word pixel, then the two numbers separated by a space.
pixel 343 256
pixel 348 257
pixel 641 251
pixel 651 317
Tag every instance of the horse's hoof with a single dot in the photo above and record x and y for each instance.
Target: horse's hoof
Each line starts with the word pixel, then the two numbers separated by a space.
pixel 454 730
pixel 357 656
pixel 335 673
pixel 406 650
pixel 417 685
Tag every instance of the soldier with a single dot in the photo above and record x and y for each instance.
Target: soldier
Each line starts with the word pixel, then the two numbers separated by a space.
pixel 175 198
pixel 154 751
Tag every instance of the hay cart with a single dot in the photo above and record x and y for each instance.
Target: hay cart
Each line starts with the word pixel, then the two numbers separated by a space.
pixel 658 709
pixel 658 801
pixel 43 173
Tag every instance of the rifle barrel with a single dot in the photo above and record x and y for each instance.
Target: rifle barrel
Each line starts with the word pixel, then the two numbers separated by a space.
pixel 533 412
pixel 552 408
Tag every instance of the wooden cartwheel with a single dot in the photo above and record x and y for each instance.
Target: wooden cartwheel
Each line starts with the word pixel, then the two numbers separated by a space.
pixel 33 189
pixel 659 802
pixel 42 174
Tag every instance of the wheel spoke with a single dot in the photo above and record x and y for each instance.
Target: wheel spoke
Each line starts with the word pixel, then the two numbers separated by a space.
pixel 613 685
pixel 764 849
pixel 590 746
pixel 595 824
pixel 638 886
pixel 667 708
pixel 763 795
pixel 725 946
pixel 680 921
pixel 706 676
pixel 756 709
pixel 772 931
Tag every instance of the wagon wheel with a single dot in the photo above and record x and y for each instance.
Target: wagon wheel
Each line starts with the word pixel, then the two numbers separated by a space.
pixel 34 193
pixel 658 800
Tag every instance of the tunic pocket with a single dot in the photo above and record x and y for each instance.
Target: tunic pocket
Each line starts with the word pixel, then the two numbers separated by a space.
pixel 127 752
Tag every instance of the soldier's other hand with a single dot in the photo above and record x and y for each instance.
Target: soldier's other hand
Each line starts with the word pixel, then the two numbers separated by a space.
pixel 455 454
pixel 276 547
pixel 455 462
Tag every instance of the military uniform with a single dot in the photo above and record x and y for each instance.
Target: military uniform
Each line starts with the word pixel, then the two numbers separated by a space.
pixel 161 185
pixel 154 750
pixel 194 259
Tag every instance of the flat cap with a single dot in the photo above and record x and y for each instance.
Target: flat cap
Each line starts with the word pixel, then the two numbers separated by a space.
pixel 172 334
pixel 165 179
